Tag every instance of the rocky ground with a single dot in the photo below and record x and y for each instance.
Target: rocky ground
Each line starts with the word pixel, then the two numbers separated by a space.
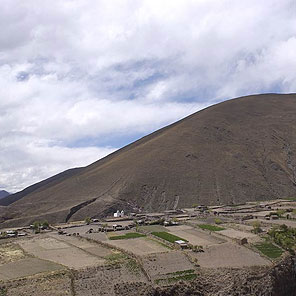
pixel 279 280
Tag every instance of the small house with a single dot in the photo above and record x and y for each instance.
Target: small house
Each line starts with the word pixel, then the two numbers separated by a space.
pixel 180 244
pixel 117 227
pixel 166 223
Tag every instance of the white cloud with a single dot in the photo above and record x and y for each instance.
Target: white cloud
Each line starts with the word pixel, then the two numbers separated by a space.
pixel 25 160
pixel 73 70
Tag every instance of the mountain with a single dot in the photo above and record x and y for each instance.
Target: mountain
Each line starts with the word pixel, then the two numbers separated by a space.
pixel 3 194
pixel 9 199
pixel 236 151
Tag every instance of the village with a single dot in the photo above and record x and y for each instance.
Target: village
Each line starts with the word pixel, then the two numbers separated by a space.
pixel 148 248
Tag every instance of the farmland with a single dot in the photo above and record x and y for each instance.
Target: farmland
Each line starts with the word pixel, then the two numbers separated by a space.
pixel 120 258
pixel 139 246
pixel 127 236
pixel 269 250
pixel 168 236
pixel 61 252
pixel 210 227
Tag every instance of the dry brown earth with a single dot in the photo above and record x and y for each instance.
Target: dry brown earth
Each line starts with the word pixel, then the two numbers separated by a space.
pixel 26 267
pixel 86 245
pixel 49 248
pixel 139 246
pixel 160 264
pixel 102 281
pixel 237 234
pixel 229 255
pixel 10 252
pixel 57 284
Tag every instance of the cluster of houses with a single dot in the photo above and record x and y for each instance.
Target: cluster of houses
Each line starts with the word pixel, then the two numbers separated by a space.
pixel 11 233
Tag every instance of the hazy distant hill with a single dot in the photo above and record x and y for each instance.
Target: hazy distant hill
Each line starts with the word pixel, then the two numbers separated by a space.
pixel 3 194
pixel 239 150
pixel 9 199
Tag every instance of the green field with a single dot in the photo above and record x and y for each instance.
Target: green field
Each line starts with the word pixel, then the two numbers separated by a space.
pixel 291 198
pixel 153 228
pixel 210 227
pixel 181 272
pixel 269 250
pixel 168 236
pixel 185 275
pixel 127 236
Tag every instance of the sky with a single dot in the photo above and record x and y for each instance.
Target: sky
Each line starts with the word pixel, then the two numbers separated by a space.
pixel 80 79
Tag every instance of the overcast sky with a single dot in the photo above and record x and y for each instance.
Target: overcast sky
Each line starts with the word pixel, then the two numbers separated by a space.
pixel 80 79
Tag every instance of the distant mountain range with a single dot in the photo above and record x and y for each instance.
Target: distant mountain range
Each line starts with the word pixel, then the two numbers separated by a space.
pixel 239 150
pixel 3 194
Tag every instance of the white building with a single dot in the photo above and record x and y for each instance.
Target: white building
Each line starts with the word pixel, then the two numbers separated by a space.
pixel 119 214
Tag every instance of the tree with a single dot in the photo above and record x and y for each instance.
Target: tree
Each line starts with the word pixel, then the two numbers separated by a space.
pixel 137 225
pixel 87 220
pixel 256 227
pixel 218 221
pixel 284 227
pixel 45 224
pixel 36 226
pixel 280 213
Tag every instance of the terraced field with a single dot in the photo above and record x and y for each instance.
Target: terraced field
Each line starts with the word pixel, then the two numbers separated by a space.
pixel 27 267
pixel 61 252
pixel 229 255
pixel 139 246
pixel 158 266
pixel 269 250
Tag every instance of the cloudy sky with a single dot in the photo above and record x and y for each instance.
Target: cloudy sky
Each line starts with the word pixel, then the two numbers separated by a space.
pixel 80 79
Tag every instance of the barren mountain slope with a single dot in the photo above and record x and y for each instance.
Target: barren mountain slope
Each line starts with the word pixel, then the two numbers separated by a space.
pixel 239 150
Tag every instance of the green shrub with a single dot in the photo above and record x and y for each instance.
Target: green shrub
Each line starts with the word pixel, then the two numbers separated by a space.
pixel 218 221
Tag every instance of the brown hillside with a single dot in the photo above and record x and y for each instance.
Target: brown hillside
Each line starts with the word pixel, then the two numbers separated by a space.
pixel 239 150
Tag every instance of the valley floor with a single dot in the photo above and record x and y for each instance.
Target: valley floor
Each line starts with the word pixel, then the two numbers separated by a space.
pixel 224 257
